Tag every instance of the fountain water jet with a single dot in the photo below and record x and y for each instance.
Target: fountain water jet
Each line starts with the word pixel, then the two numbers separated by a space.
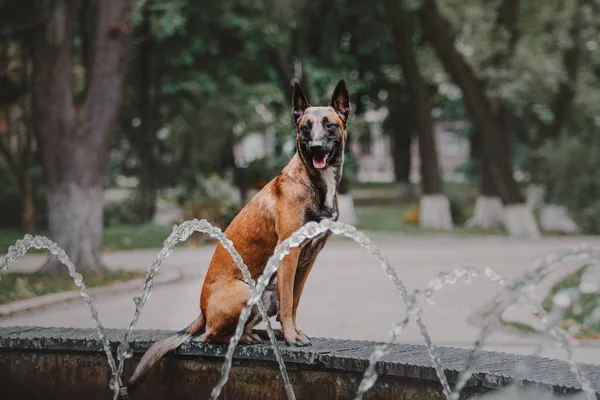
pixel 180 234
pixel 310 231
pixel 469 272
pixel 517 290
pixel 513 292
pixel 22 246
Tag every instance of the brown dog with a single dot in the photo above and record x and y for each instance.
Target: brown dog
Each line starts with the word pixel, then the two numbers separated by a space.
pixel 305 190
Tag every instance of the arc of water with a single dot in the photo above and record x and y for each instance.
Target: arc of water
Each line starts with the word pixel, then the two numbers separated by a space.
pixel 513 293
pixel 517 287
pixel 380 351
pixel 308 231
pixel 550 327
pixel 561 337
pixel 180 234
pixel 468 272
pixel 22 246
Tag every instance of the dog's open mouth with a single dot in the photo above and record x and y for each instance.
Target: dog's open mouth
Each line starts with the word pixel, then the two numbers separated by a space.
pixel 320 161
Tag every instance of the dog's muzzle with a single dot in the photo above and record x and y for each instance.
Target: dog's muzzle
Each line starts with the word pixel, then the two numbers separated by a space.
pixel 320 153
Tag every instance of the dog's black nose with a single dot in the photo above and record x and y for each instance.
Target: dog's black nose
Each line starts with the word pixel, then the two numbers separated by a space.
pixel 318 148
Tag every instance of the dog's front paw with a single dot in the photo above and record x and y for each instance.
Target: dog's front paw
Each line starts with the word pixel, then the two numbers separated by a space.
pixel 250 338
pixel 297 339
pixel 302 334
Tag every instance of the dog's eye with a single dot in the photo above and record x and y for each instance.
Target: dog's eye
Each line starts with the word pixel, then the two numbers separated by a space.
pixel 306 128
pixel 330 126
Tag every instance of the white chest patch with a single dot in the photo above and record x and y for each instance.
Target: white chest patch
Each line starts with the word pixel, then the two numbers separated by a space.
pixel 329 180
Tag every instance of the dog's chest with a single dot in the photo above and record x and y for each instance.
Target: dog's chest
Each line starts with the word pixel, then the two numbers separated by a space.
pixel 329 182
pixel 311 249
pixel 313 213
pixel 324 205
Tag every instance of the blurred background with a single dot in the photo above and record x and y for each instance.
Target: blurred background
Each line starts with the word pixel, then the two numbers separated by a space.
pixel 474 123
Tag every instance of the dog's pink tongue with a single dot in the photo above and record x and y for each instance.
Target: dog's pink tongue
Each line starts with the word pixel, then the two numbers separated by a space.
pixel 319 161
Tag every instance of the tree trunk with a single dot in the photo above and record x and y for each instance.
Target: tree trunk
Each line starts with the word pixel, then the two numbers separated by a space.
pixel 75 223
pixel 145 197
pixel 27 208
pixel 435 207
pixel 144 136
pixel 489 211
pixel 401 128
pixel 437 31
pixel 487 184
pixel 75 143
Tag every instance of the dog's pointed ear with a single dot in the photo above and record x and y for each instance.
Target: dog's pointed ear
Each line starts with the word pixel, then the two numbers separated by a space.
pixel 299 103
pixel 340 101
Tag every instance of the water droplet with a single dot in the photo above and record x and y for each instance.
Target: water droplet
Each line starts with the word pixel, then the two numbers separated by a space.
pixel 562 300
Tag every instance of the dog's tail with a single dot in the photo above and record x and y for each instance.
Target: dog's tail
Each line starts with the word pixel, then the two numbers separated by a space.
pixel 159 349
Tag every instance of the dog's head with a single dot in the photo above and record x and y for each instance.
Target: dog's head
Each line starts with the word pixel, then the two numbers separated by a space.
pixel 321 131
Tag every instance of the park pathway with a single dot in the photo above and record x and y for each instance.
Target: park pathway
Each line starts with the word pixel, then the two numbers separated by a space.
pixel 348 295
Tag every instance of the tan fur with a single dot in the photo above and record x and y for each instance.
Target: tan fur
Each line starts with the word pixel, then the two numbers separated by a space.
pixel 274 213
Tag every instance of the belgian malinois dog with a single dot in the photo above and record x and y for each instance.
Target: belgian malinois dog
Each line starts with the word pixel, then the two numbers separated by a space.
pixel 305 190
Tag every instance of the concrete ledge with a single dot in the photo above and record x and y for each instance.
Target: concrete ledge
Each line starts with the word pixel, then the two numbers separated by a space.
pixel 40 360
pixel 40 302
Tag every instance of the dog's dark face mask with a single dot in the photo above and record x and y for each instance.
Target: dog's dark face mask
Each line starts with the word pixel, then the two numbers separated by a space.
pixel 321 131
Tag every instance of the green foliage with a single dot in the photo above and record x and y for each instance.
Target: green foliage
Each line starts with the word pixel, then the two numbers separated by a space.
pixel 214 201
pixel 124 212
pixel 569 169
pixel 459 209
pixel 582 312
pixel 350 168
pixel 10 198
pixel 259 172
pixel 207 85
pixel 219 212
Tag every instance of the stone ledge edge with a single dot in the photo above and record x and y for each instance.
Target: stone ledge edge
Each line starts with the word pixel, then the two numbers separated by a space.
pixel 404 360
pixel 40 302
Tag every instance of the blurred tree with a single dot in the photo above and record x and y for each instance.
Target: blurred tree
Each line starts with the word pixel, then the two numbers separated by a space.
pixel 561 104
pixel 435 207
pixel 488 212
pixel 198 84
pixel 74 127
pixel 490 119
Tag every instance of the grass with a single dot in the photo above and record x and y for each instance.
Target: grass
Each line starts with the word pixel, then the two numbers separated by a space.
pixel 373 185
pixel 576 315
pixel 386 217
pixel 520 327
pixel 462 187
pixel 115 238
pixel 21 286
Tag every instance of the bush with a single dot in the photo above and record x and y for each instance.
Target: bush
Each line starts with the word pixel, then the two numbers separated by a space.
pixel 218 202
pixel 125 212
pixel 569 170
pixel 218 212
pixel 460 207
pixel 259 172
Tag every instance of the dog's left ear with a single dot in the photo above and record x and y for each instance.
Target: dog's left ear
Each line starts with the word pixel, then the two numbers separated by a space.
pixel 299 103
pixel 340 101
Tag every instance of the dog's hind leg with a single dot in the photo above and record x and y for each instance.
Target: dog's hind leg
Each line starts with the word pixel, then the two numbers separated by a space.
pixel 223 312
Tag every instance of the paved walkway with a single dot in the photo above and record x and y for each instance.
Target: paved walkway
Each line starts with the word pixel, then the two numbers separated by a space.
pixel 348 294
